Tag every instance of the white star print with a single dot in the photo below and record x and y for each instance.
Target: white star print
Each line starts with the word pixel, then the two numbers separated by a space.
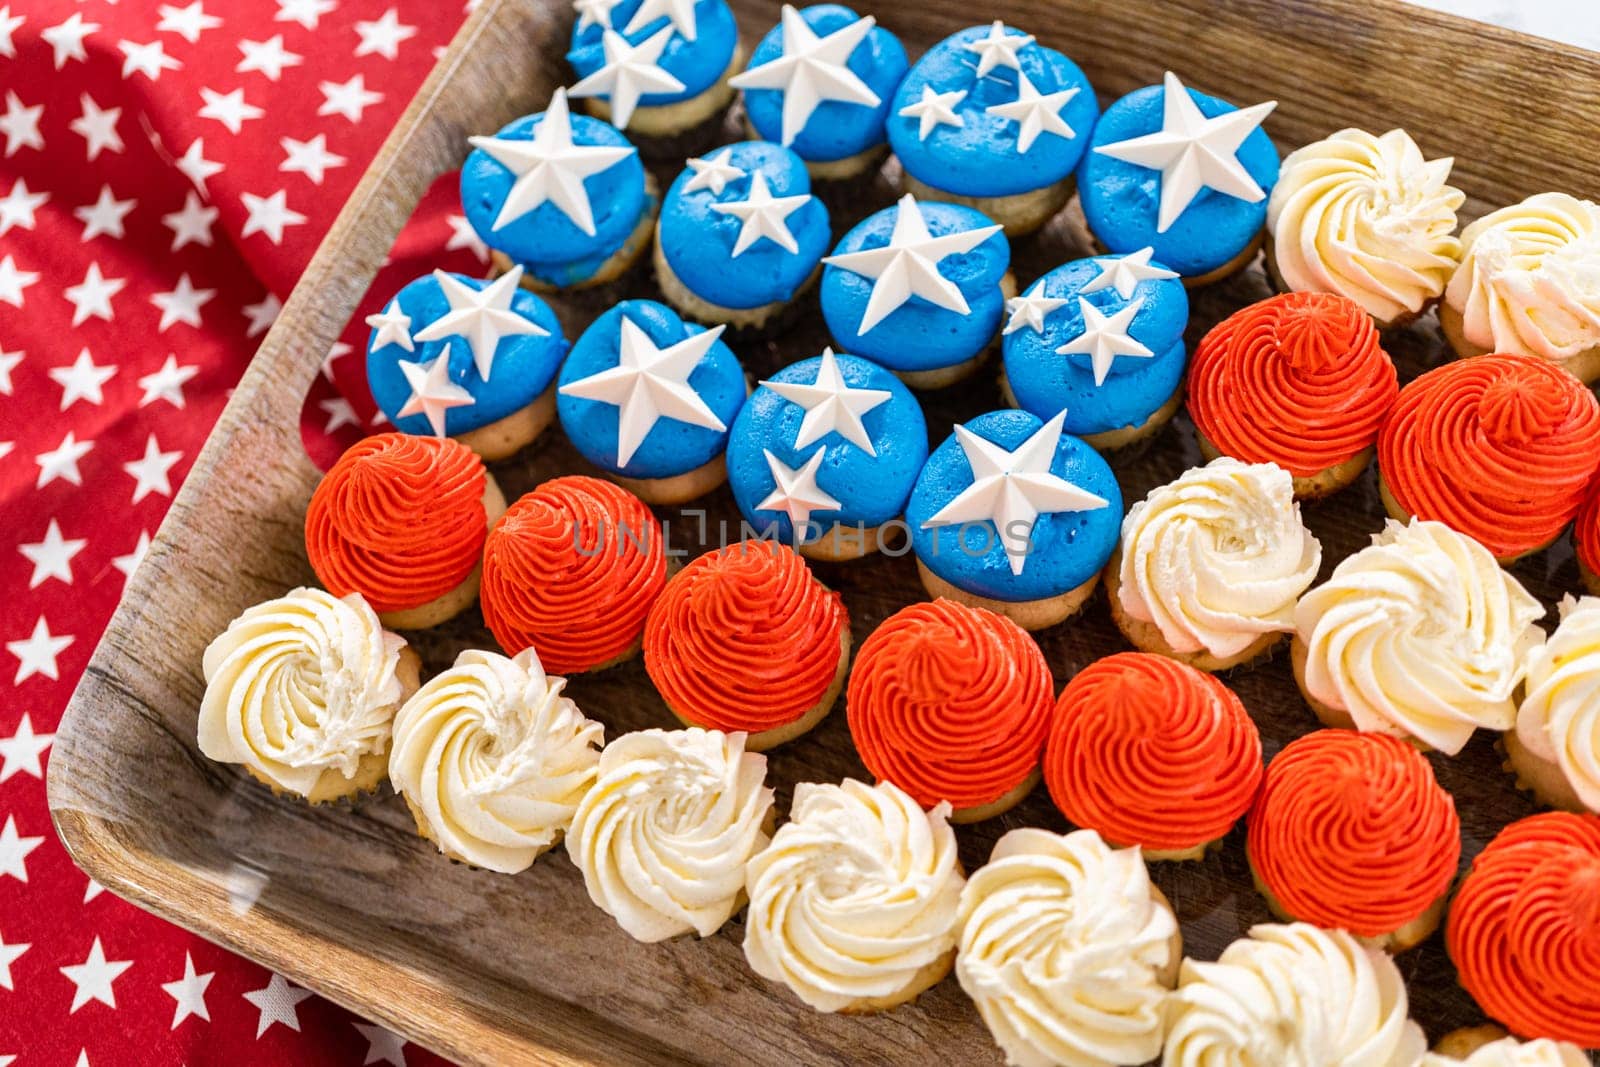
pixel 14 849
pixel 1029 310
pixel 762 215
pixel 8 26
pixel 831 406
pixel 384 36
pixel 98 127
pixel 679 12
pixel 63 461
pixel 187 22
pixel 93 978
pixel 92 890
pixel 9 954
pixel 19 205
pixel 8 362
pixel 66 39
pixel 337 352
pixel 796 492
pixel 934 110
pixel 147 59
pixel 269 57
pixel 230 108
pixel 998 48
pixel 305 12
pixel 393 326
pixel 189 992
pixel 262 314
pixel 462 235
pixel 126 564
pixel 14 281
pixel 150 470
pixel 182 304
pixel 195 166
pixel 1194 153
pixel 432 391
pixel 630 71
pixel 909 265
pixel 6 447
pixel 22 753
pixel 481 316
pixel 384 1045
pixel 82 380
pixel 339 413
pixel 20 124
pixel 268 215
pixel 51 558
pixel 714 173
pixel 192 224
pixel 310 158
pixel 1035 113
pixel 277 1002
pixel 91 298
pixel 1105 338
pixel 594 13
pixel 1124 273
pixel 811 70
pixel 104 216
pixel 167 383
pixel 350 99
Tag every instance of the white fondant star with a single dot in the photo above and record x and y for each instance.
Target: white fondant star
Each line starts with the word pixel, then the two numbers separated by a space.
pixel 550 167
pixel 1014 488
pixel 998 48
pixel 648 384
pixel 1035 113
pixel 909 265
pixel 393 326
pixel 934 110
pixel 811 70
pixel 594 13
pixel 630 71
pixel 762 215
pixel 482 316
pixel 1124 273
pixel 714 173
pixel 1193 152
pixel 1028 311
pixel 1104 338
pixel 796 493
pixel 831 406
pixel 679 12
pixel 432 391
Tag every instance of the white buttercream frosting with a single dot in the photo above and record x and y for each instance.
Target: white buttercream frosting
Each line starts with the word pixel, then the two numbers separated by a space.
pixel 1509 1052
pixel 1559 720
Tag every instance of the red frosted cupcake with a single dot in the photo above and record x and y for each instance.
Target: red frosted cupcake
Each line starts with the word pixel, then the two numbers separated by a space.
pixel 1586 538
pixel 571 571
pixel 401 520
pixel 1151 752
pixel 951 702
pixel 745 638
pixel 1524 930
pixel 1501 448
pixel 1352 831
pixel 1299 380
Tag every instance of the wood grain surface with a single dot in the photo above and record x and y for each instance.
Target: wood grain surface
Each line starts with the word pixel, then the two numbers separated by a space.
pixel 493 969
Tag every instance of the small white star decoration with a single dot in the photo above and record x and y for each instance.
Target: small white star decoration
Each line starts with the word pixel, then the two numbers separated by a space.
pixel 482 316
pixel 831 405
pixel 998 48
pixel 795 492
pixel 811 70
pixel 393 327
pixel 432 391
pixel 1035 113
pixel 1104 337
pixel 1124 273
pixel 762 215
pixel 933 110
pixel 713 173
pixel 1028 311
pixel 630 71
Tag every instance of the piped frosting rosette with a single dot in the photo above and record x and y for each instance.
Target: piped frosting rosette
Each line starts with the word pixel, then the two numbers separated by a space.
pixel 1509 1052
pixel 1586 538
pixel 1559 719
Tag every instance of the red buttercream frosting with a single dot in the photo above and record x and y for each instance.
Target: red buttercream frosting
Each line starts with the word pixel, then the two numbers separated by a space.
pixel 1586 529
pixel 1351 830
pixel 950 703
pixel 744 638
pixel 399 519
pixel 1501 448
pixel 571 570
pixel 1524 929
pixel 1299 380
pixel 1149 751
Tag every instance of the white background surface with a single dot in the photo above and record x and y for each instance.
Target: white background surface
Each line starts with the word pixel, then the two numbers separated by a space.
pixel 1574 21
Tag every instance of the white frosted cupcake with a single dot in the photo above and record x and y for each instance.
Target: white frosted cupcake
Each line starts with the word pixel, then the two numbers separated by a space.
pixel 663 835
pixel 1488 1046
pixel 1211 565
pixel 302 692
pixel 1067 950
pixel 492 759
pixel 1555 749
pixel 855 903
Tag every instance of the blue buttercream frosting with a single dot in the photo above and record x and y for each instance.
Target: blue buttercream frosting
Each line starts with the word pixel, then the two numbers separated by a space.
pixel 524 364
pixel 671 447
pixel 1067 548
pixel 697 63
pixel 980 157
pixel 698 241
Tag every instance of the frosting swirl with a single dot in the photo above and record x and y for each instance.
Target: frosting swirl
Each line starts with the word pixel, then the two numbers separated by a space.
pixel 1218 557
pixel 857 898
pixel 1151 752
pixel 1299 380
pixel 663 835
pixel 1368 218
pixel 493 758
pixel 1586 530
pixel 1500 447
pixel 1524 930
pixel 1509 1052
pixel 1559 720
pixel 1063 948
pixel 571 570
pixel 950 702
pixel 399 519
pixel 1420 635
pixel 1292 994
pixel 302 690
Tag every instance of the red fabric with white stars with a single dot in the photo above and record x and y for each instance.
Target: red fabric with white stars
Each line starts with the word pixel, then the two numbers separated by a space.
pixel 166 171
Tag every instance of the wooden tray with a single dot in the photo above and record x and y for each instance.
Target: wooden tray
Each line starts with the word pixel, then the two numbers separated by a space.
pixel 486 968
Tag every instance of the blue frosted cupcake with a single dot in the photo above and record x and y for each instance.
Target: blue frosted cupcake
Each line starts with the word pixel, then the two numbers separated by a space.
pixel 1013 515
pixel 991 119
pixel 740 234
pixel 562 196
pixel 648 398
pixel 452 356
pixel 820 82
pixel 1182 172
pixel 825 453
pixel 920 288
pixel 1102 340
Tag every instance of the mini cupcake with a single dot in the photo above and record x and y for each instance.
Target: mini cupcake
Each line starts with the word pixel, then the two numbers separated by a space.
pixel 1299 380
pixel 1050 926
pixel 1586 539
pixel 1503 448
pixel 564 197
pixel 1419 636
pixel 919 288
pixel 1489 1046
pixel 1183 172
pixel 477 361
pixel 744 638
pixel 1013 515
pixel 993 120
pixel 855 904
pixel 951 703
pixel 1367 218
pixel 1149 752
pixel 663 835
pixel 824 454
pixel 401 520
pixel 1118 322
pixel 1351 830
pixel 570 571
pixel 1524 927
pixel 1526 284
pixel 740 235
pixel 1211 565
pixel 820 82
pixel 492 759
pixel 302 691
pixel 1555 748
pixel 648 399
